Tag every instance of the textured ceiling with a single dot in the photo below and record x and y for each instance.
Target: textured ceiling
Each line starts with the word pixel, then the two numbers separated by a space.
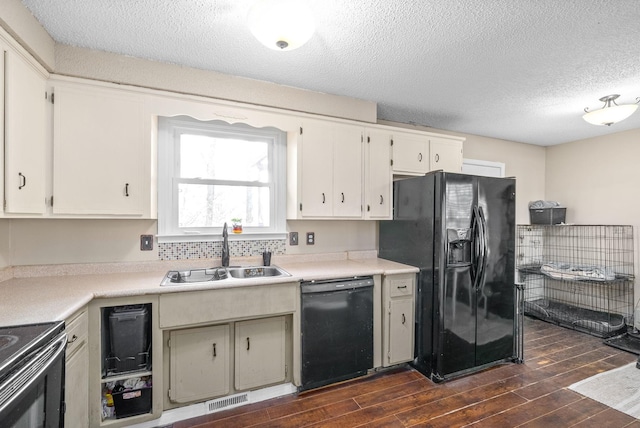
pixel 520 70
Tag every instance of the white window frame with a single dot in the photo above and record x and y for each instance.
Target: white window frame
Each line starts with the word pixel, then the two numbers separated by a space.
pixel 169 129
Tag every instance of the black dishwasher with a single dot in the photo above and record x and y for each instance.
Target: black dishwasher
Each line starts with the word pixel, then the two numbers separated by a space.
pixel 337 330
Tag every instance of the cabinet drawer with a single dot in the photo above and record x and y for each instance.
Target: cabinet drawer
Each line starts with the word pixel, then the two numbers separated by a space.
pixel 207 306
pixel 77 328
pixel 402 285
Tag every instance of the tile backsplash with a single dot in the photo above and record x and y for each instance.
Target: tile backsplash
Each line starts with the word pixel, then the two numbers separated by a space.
pixel 208 250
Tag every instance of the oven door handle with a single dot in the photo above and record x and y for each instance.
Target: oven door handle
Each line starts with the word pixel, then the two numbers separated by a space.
pixel 20 381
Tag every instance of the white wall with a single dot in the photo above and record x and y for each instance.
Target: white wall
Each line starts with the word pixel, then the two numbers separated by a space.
pixel 597 180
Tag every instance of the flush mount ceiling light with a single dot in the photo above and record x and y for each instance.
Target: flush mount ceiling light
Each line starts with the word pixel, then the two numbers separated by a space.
pixel 281 24
pixel 611 112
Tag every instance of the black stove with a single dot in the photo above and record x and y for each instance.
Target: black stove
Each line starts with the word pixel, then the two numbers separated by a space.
pixel 17 342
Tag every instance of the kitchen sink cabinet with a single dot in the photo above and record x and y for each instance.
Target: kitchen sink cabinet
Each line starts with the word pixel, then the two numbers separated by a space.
pixel 199 363
pixel 260 357
pixel 378 183
pixel 419 153
pixel 25 98
pixel 76 389
pixel 398 316
pixel 100 151
pixel 327 179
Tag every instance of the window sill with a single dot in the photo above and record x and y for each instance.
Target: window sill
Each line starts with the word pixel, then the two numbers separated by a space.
pixel 218 237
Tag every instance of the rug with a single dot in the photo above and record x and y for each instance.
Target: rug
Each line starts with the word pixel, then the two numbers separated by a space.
pixel 618 388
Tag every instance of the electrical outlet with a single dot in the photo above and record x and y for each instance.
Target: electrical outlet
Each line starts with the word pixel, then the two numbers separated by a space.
pixel 311 238
pixel 293 238
pixel 146 242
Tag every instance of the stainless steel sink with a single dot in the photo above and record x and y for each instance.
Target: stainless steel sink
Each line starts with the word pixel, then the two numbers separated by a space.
pixel 256 271
pixel 205 276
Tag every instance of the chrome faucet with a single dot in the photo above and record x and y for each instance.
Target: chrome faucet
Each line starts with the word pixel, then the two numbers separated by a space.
pixel 225 246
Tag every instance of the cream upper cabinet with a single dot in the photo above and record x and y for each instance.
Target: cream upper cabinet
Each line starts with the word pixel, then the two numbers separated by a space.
pixel 417 154
pixel 260 357
pixel 328 178
pixel 445 154
pixel 199 363
pixel 378 181
pixel 410 153
pixel 25 136
pixel 99 160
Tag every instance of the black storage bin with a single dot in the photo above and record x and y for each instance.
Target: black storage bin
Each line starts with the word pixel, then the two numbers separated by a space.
pixel 132 402
pixel 129 338
pixel 547 215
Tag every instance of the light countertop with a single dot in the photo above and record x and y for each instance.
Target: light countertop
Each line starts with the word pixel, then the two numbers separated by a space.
pixel 56 292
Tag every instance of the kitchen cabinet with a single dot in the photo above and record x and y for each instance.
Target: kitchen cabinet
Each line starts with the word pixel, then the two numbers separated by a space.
pixel 260 357
pixel 378 183
pixel 25 98
pixel 114 360
pixel 100 159
pixel 445 154
pixel 328 180
pixel 419 153
pixel 398 316
pixel 199 363
pixel 76 389
pixel 410 153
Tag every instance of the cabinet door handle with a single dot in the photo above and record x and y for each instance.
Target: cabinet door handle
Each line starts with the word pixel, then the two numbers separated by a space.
pixel 73 339
pixel 23 180
pixel 214 350
pixel 404 319
pixel 381 200
pixel 323 198
pixel 437 157
pixel 126 189
pixel 342 197
pixel 248 344
pixel 419 157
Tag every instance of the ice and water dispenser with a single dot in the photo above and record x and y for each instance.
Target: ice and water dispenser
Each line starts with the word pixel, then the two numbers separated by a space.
pixel 459 247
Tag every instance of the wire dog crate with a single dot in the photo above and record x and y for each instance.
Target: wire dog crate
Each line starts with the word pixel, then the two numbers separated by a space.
pixel 578 276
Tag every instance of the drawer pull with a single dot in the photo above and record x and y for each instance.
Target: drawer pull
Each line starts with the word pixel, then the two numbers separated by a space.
pixel 402 286
pixel 73 339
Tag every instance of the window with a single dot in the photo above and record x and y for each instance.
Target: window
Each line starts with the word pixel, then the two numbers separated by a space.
pixel 212 172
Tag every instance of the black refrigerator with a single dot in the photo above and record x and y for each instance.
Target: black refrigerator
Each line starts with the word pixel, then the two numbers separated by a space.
pixel 460 231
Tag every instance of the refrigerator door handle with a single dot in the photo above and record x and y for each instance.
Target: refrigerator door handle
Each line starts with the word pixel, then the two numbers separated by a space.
pixel 483 247
pixel 480 246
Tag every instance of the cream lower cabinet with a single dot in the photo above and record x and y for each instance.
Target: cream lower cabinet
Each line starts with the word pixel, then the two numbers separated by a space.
pixel 260 352
pixel 76 389
pixel 199 363
pixel 398 315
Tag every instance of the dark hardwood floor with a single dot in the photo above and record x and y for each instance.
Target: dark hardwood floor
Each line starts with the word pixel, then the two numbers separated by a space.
pixel 533 394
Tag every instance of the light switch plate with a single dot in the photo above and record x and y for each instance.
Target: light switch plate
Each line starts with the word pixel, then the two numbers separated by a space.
pixel 146 242
pixel 293 238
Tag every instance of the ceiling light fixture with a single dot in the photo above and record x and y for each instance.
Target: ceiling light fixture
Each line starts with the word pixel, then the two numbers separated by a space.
pixel 611 112
pixel 281 24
